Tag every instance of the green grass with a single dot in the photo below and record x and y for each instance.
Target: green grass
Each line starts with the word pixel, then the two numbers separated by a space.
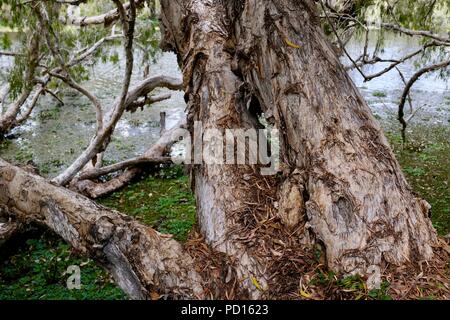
pixel 426 164
pixel 164 202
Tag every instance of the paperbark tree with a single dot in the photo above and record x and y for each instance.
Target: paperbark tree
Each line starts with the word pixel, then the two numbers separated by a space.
pixel 339 185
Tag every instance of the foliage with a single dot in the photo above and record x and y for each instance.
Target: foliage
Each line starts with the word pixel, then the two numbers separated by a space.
pixel 38 271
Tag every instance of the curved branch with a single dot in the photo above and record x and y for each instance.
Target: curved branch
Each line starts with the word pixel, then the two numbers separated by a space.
pixel 140 259
pixel 158 150
pixel 30 108
pixel 106 18
pixel 411 32
pixel 408 87
pixel 94 147
pixel 98 172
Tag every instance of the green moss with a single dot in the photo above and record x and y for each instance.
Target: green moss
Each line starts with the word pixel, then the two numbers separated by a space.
pixel 379 94
pixel 164 202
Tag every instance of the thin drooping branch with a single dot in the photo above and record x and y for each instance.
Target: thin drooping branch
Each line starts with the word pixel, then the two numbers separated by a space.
pixel 421 33
pixel 414 78
pixel 86 52
pixel 10 53
pixel 402 76
pixel 24 116
pixel 8 118
pixel 341 43
pixel 140 259
pixel 96 103
pixel 99 142
pixel 54 47
pixel 395 63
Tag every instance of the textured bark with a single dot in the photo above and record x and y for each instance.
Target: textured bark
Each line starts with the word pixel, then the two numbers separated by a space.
pixel 341 181
pixel 140 259
pixel 339 184
pixel 359 203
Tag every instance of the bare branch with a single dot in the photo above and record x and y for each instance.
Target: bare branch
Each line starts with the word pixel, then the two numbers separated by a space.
pixel 159 149
pixel 421 33
pixel 140 103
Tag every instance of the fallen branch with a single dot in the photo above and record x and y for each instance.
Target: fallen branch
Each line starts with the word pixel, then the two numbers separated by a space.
pixel 140 259
pixel 95 173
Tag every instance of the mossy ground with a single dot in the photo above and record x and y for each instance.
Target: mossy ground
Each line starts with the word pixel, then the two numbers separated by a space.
pixel 425 160
pixel 165 202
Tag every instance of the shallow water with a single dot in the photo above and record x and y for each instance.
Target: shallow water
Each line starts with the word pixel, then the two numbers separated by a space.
pixel 55 135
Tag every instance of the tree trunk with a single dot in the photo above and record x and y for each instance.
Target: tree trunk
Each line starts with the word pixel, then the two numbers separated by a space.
pixel 341 185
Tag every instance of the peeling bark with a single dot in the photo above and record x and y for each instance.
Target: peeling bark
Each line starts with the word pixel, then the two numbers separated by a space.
pixel 359 203
pixel 340 177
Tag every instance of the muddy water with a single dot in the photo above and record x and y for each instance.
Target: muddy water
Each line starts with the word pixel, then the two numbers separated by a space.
pixel 56 134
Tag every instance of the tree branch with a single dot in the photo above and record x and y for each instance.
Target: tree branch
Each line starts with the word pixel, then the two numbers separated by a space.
pixel 140 259
pixel 408 87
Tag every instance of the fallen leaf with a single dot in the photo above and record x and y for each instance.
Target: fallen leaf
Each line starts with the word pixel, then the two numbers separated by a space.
pixel 291 44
